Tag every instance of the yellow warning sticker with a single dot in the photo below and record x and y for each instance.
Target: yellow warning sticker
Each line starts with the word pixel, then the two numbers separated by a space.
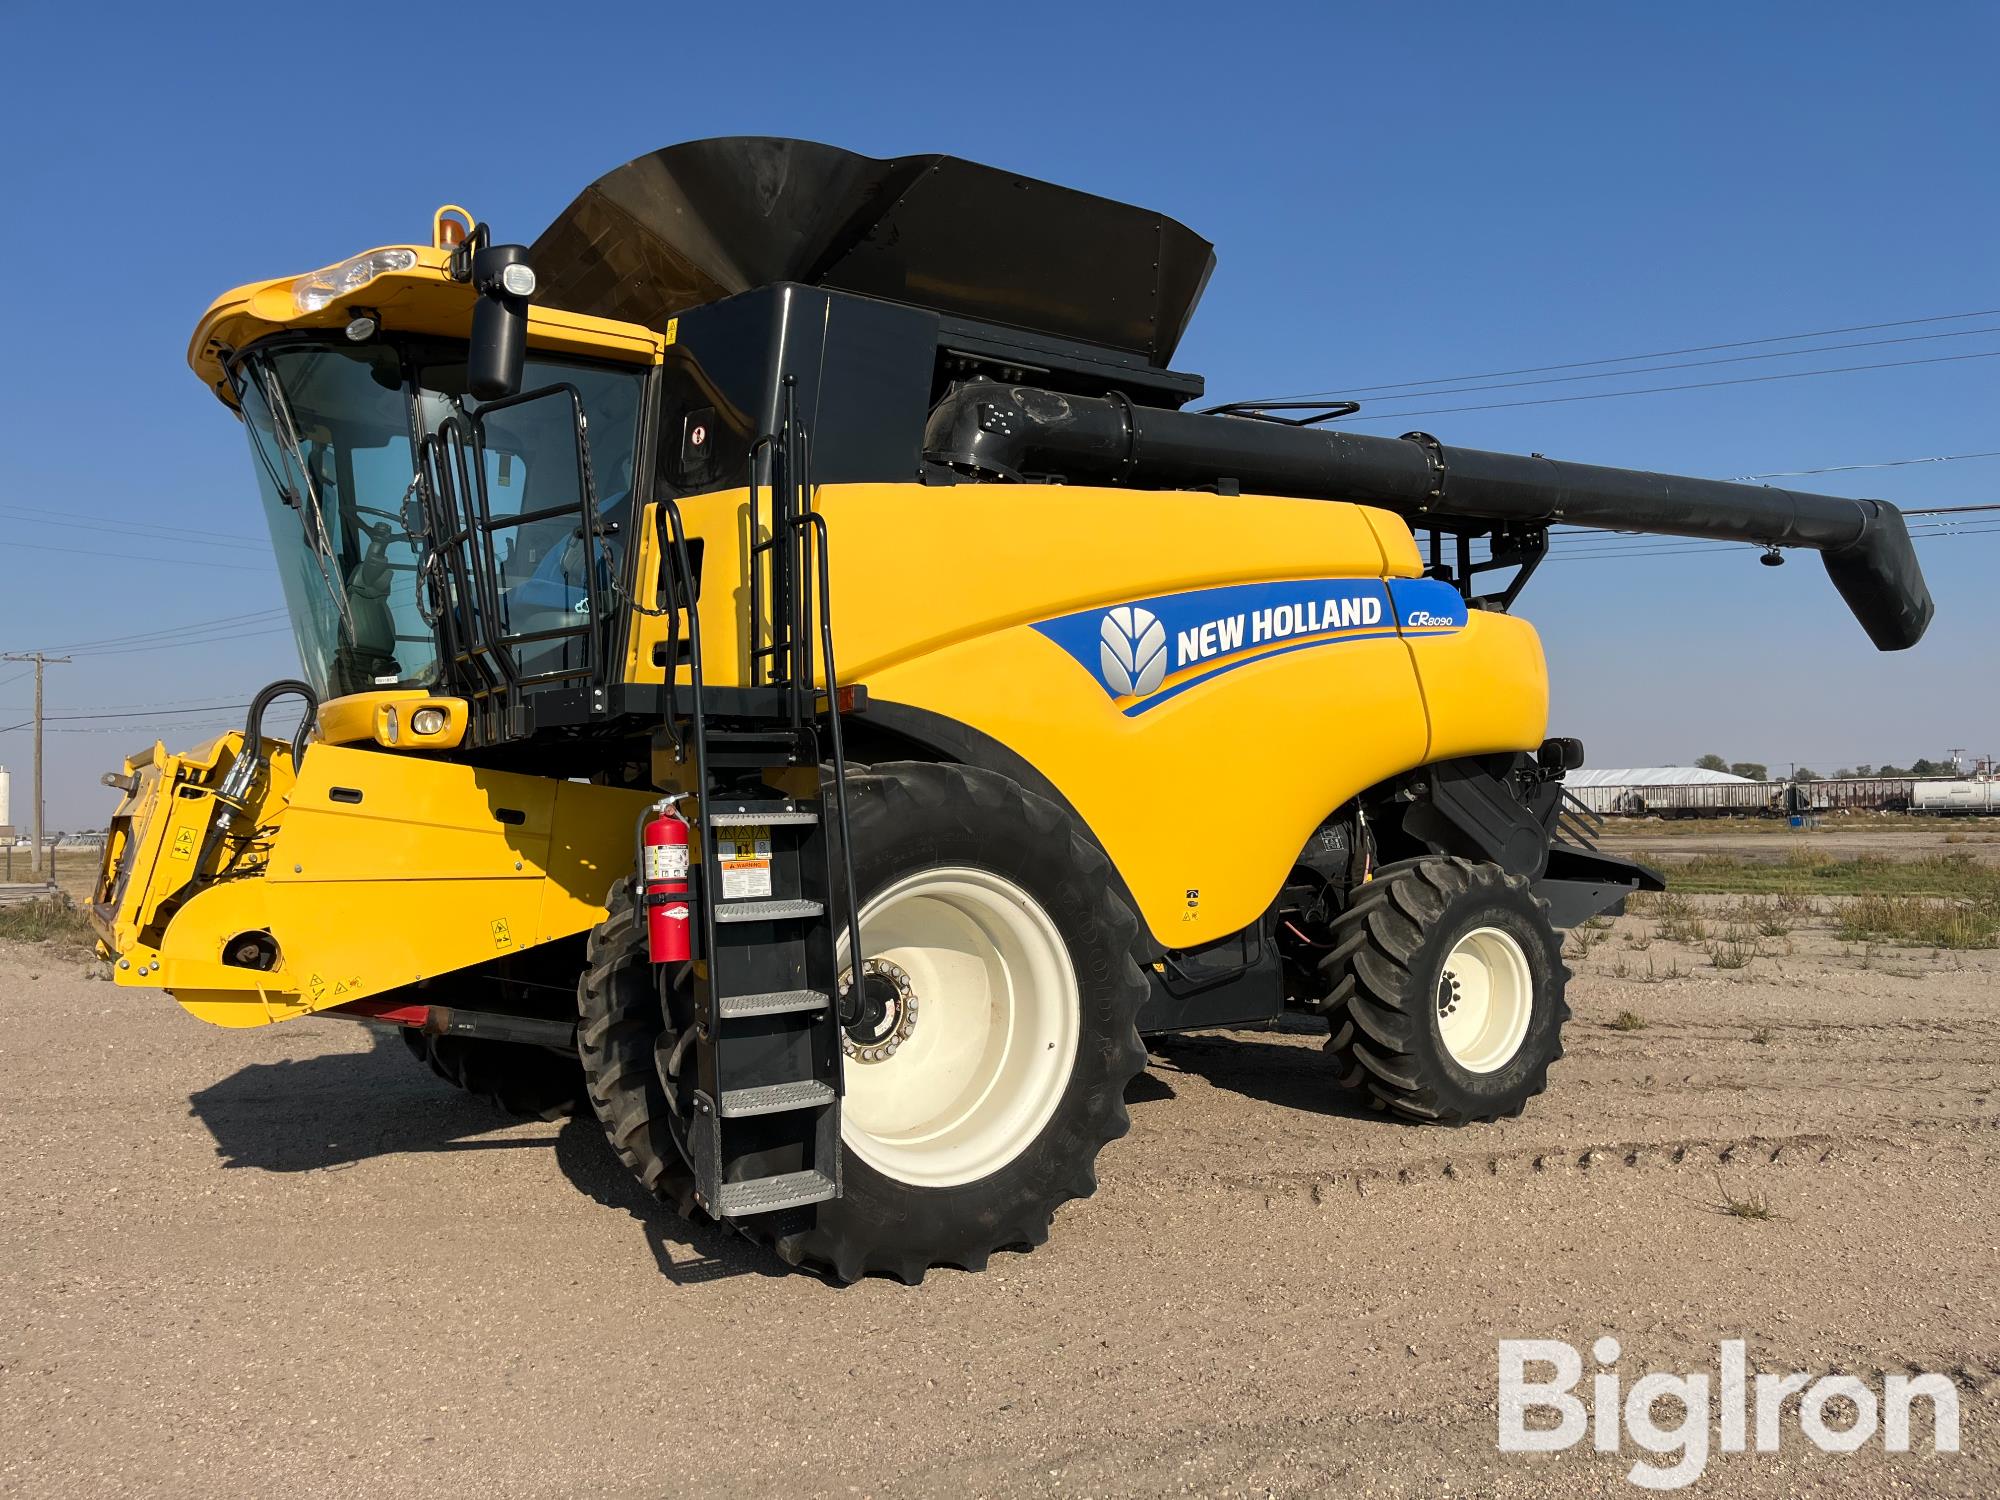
pixel 673 328
pixel 184 842
pixel 745 856
pixel 503 935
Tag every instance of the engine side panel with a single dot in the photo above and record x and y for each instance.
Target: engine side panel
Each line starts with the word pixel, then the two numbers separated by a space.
pixel 1203 678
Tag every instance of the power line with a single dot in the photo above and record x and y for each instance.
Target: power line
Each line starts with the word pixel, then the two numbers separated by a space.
pixel 1572 537
pixel 181 645
pixel 1697 385
pixel 218 725
pixel 218 701
pixel 1690 364
pixel 1565 532
pixel 179 534
pixel 1893 463
pixel 211 709
pixel 176 562
pixel 1588 539
pixel 171 630
pixel 1621 359
pixel 1682 546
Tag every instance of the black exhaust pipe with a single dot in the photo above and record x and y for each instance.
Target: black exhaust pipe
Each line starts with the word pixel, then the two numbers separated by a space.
pixel 1017 432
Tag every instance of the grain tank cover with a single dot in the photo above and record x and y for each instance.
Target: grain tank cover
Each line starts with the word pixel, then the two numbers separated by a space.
pixel 698 222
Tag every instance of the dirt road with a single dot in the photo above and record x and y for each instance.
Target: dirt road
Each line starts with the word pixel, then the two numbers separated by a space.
pixel 289 1261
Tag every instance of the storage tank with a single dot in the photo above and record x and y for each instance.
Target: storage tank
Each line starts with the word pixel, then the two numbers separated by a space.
pixel 1956 797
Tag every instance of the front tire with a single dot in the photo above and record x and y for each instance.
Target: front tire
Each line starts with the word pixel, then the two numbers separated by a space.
pixel 621 1025
pixel 531 1082
pixel 1005 926
pixel 1444 990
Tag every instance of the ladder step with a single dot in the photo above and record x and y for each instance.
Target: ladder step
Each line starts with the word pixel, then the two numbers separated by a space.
pixel 785 816
pixel 765 911
pixel 774 1003
pixel 763 1195
pixel 775 1098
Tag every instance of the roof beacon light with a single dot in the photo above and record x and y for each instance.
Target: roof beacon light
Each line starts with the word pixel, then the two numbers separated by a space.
pixel 315 291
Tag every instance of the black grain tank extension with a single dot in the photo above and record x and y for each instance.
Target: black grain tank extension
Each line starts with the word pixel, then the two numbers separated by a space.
pixel 695 223
pixel 873 286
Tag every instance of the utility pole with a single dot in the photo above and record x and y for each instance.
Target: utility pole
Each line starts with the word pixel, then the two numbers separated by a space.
pixel 1956 752
pixel 40 660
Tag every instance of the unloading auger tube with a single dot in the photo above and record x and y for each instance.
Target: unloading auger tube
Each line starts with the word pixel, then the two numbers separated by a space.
pixel 1013 432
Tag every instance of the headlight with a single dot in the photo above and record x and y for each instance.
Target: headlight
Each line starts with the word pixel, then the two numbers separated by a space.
pixel 313 292
pixel 427 721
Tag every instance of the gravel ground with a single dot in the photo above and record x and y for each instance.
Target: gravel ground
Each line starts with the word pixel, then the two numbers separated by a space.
pixel 290 1261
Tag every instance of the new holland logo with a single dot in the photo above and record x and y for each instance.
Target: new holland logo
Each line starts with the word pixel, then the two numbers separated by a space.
pixel 1133 653
pixel 1148 652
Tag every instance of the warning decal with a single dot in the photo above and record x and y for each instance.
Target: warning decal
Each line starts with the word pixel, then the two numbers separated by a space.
pixel 745 857
pixel 666 861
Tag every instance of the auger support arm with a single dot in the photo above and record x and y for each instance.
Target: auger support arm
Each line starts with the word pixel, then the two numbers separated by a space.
pixel 1011 432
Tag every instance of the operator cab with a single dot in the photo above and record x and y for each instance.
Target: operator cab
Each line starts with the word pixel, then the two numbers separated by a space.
pixel 337 432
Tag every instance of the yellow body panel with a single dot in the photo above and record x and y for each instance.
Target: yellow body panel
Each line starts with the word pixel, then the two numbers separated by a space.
pixel 423 299
pixel 980 604
pixel 383 870
pixel 359 717
pixel 1485 690
pixel 1204 801
pixel 917 568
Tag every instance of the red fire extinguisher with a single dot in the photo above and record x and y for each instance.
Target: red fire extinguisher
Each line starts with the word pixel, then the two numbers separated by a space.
pixel 664 882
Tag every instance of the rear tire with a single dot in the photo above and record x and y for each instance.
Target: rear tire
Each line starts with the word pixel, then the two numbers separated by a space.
pixel 1444 991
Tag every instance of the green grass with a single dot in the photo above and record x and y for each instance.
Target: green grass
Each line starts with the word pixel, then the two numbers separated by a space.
pixel 1627 1020
pixel 54 921
pixel 1918 921
pixel 1808 873
pixel 1734 949
pixel 1756 1206
pixel 1948 900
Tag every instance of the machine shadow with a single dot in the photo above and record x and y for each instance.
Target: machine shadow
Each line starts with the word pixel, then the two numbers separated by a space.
pixel 586 1159
pixel 1290 1076
pixel 324 1113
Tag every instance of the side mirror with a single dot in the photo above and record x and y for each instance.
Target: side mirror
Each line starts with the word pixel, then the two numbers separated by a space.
pixel 505 281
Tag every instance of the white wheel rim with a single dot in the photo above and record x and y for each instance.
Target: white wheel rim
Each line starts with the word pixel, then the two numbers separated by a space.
pixel 994 1040
pixel 1485 996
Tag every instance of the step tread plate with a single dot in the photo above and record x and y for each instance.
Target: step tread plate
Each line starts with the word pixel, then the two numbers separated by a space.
pixel 775 1098
pixel 781 817
pixel 766 911
pixel 763 1195
pixel 770 1003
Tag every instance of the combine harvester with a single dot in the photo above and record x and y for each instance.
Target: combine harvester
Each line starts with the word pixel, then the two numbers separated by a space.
pixel 1145 719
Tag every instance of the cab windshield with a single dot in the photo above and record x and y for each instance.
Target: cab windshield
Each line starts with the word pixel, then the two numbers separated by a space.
pixel 334 430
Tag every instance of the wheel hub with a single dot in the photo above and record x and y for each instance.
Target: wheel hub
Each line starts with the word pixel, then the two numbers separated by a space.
pixel 1485 999
pixel 1449 993
pixel 888 1012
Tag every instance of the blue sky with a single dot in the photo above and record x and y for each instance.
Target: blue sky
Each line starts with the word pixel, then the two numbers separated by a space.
pixel 1395 196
